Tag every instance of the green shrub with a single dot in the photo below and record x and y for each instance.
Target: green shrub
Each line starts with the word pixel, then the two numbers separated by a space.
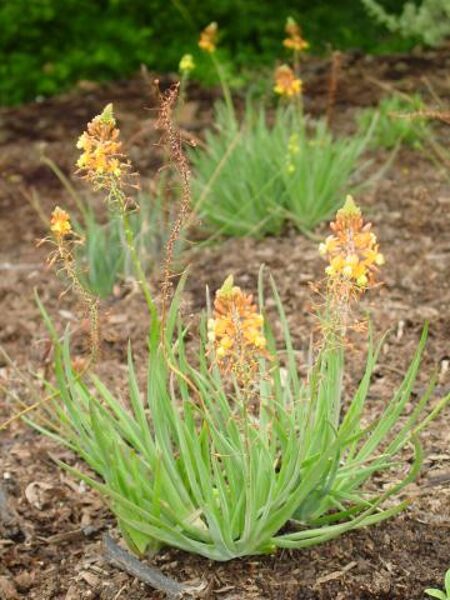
pixel 393 125
pixel 429 22
pixel 251 177
pixel 47 45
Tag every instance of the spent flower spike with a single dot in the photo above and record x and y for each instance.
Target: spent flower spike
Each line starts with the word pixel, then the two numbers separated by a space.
pixel 186 64
pixel 352 251
pixel 101 161
pixel 236 330
pixel 208 38
pixel 286 83
pixel 294 40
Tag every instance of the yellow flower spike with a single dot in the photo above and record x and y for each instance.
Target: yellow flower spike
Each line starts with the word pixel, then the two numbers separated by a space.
pixel 286 84
pixel 208 38
pixel 294 41
pixel 60 223
pixel 236 332
pixel 101 161
pixel 186 64
pixel 352 252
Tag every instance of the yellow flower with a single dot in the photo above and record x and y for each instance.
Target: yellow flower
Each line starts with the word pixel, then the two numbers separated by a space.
pixel 293 150
pixel 186 64
pixel 101 161
pixel 352 251
pixel 294 41
pixel 286 84
pixel 236 331
pixel 293 145
pixel 60 223
pixel 208 38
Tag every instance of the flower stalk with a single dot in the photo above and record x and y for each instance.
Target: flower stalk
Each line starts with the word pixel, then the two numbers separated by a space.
pixel 61 229
pixel 103 164
pixel 208 43
pixel 294 41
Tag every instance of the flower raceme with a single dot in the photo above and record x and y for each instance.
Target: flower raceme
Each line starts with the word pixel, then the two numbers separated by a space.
pixel 352 251
pixel 286 83
pixel 294 40
pixel 208 38
pixel 61 228
pixel 101 161
pixel 186 64
pixel 236 331
pixel 60 223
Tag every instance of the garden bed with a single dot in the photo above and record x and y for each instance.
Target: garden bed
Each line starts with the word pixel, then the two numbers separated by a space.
pixel 50 525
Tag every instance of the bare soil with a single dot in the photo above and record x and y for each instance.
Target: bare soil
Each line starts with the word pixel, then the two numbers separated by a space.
pixel 50 525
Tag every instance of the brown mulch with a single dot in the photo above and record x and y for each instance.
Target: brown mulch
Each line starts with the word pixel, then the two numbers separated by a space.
pixel 51 525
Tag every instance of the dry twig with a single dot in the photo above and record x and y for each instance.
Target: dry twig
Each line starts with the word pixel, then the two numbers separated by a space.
pixel 120 558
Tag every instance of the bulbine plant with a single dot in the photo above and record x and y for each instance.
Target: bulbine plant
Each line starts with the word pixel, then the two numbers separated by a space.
pixel 232 453
pixel 394 126
pixel 252 177
pixel 254 174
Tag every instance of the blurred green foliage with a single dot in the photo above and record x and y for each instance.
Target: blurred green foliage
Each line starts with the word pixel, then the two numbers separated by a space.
pixel 393 126
pixel 48 45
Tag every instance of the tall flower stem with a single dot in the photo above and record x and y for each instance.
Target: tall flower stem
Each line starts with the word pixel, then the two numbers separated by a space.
pixel 223 83
pixel 117 199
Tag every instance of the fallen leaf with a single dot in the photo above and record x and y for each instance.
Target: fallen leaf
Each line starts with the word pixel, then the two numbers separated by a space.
pixel 35 493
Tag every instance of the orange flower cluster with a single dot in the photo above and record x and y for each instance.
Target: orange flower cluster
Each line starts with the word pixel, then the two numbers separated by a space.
pixel 352 250
pixel 236 331
pixel 101 161
pixel 208 38
pixel 60 223
pixel 294 41
pixel 286 84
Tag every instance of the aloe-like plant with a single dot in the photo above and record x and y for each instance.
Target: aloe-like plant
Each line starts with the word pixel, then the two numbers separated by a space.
pixel 253 176
pixel 188 465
